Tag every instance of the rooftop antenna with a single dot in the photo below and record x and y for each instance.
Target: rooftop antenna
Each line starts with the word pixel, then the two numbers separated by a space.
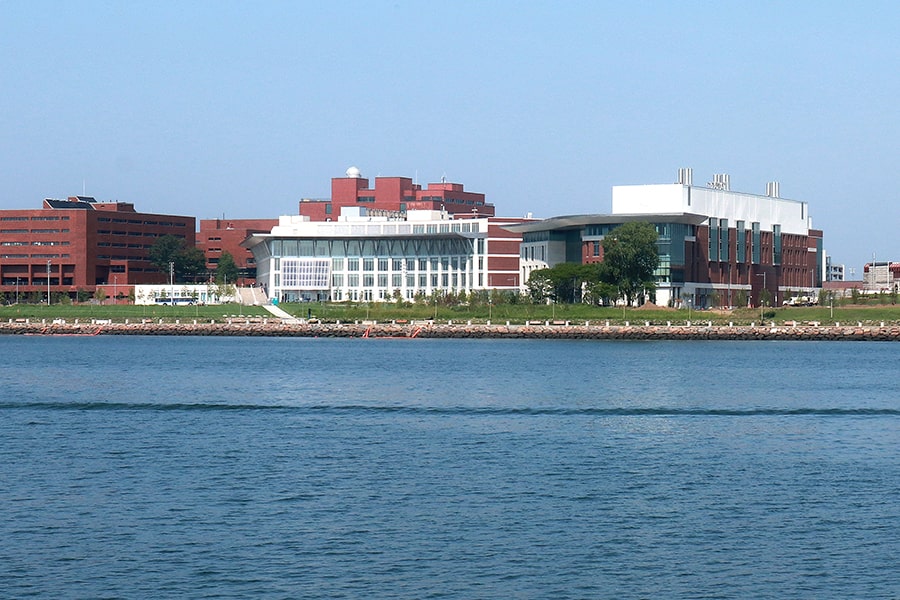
pixel 444 177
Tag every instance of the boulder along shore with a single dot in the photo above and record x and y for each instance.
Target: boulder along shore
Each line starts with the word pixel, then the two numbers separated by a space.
pixel 278 328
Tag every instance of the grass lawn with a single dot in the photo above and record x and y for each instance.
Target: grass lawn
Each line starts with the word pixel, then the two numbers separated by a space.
pixel 521 313
pixel 499 313
pixel 120 312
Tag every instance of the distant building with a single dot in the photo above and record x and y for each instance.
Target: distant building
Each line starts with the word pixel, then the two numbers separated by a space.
pixel 881 276
pixel 393 196
pixel 81 244
pixel 361 257
pixel 715 244
pixel 225 235
pixel 833 272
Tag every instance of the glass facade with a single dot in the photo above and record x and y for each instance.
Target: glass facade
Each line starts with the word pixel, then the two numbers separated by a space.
pixel 740 231
pixel 372 268
pixel 776 247
pixel 755 250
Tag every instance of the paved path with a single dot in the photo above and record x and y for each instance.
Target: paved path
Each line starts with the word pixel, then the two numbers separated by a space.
pixel 279 312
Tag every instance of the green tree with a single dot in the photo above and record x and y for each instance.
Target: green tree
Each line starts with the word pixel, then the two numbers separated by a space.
pixel 630 256
pixel 226 270
pixel 100 295
pixel 165 250
pixel 189 262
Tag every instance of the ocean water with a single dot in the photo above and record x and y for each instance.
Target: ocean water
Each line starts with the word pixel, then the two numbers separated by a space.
pixel 321 468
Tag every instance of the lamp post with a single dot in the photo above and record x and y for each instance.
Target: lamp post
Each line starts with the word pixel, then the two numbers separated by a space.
pixel 172 283
pixel 17 289
pixel 763 275
pixel 48 283
pixel 115 289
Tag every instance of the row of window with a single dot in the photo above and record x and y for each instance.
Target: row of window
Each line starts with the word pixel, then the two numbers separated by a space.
pixel 39 243
pixel 34 256
pixel 34 231
pixel 127 233
pixel 397 281
pixel 398 265
pixel 42 218
pixel 138 222
pixel 373 247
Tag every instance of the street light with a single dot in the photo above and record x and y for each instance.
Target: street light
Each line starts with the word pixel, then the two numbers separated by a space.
pixel 48 283
pixel 115 289
pixel 765 289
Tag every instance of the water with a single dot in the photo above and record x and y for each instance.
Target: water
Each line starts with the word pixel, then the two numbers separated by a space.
pixel 287 468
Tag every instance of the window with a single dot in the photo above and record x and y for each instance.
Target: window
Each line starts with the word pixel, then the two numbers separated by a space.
pixel 596 250
pixel 740 228
pixel 337 264
pixel 776 249
pixel 382 264
pixel 368 264
pixel 723 240
pixel 397 264
pixel 754 244
pixel 353 264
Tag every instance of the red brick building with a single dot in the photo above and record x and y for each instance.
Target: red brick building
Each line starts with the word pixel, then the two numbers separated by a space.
pixel 225 235
pixel 394 195
pixel 82 244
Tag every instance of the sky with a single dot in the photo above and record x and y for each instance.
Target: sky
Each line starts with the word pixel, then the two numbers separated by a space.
pixel 240 109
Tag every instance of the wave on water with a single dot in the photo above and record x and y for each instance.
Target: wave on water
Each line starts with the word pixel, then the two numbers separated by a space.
pixel 661 411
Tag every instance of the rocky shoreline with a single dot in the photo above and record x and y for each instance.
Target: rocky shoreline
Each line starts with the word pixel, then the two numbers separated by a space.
pixel 418 330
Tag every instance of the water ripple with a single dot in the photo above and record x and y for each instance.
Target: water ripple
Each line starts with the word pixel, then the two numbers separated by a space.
pixel 662 411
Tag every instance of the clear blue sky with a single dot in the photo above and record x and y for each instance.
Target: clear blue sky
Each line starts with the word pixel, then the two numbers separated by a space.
pixel 240 108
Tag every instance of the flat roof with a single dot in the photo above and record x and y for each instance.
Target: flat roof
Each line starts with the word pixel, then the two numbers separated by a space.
pixel 579 221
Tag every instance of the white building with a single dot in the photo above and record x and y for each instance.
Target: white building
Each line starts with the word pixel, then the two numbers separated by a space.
pixel 716 246
pixel 374 258
pixel 183 294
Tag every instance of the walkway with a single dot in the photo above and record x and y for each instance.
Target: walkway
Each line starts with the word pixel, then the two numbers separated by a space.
pixel 282 314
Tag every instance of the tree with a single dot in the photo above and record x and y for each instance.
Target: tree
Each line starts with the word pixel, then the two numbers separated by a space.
pixel 164 251
pixel 188 261
pixel 191 264
pixel 226 270
pixel 630 255
pixel 100 295
pixel 540 286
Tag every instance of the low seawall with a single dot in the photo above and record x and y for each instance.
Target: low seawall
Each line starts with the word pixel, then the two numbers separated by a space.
pixel 277 328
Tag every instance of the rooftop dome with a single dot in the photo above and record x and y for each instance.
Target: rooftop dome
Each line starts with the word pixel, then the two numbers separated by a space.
pixel 354 173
